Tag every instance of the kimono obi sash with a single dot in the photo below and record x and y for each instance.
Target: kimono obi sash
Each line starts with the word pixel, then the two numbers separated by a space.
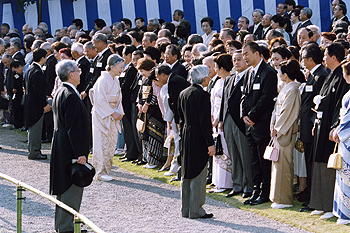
pixel 113 101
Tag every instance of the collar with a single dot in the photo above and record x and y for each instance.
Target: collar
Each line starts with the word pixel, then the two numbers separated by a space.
pixel 103 51
pixel 241 74
pixel 305 21
pixel 172 65
pixel 38 65
pixel 257 25
pixel 79 59
pixel 72 86
pixel 265 29
pixel 16 53
pixel 256 68
pixel 315 68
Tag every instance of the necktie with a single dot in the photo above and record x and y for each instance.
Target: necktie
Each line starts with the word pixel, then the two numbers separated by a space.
pixel 236 80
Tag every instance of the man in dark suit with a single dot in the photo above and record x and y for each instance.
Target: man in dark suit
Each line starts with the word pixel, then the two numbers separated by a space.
pixel 328 109
pixel 312 58
pixel 17 89
pixel 231 123
pixel 82 63
pixel 259 90
pixel 197 142
pixel 256 29
pixel 305 16
pixel 172 56
pixel 339 11
pixel 266 23
pixel 99 42
pixel 70 141
pixel 127 78
pixel 50 76
pixel 35 103
pixel 14 83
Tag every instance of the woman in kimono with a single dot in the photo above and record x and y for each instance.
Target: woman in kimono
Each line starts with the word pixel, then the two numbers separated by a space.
pixel 147 103
pixel 107 111
pixel 341 135
pixel 284 127
pixel 222 172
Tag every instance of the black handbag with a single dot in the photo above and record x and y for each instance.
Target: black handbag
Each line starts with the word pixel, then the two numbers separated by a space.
pixel 217 143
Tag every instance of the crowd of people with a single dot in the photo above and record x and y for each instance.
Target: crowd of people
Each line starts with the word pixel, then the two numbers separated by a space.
pixel 159 93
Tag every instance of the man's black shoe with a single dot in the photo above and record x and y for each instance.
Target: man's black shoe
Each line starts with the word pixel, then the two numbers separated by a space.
pixel 259 201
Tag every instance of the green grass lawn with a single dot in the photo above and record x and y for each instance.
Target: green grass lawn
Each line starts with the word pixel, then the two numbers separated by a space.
pixel 290 216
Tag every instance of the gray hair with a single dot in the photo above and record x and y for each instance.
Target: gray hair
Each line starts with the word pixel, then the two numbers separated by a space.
pixel 261 13
pixel 15 41
pixel 46 46
pixel 316 28
pixel 30 27
pixel 100 37
pixel 307 11
pixel 64 68
pixel 7 56
pixel 198 73
pixel 113 60
pixel 200 47
pixel 66 40
pixel 155 21
pixel 89 45
pixel 78 47
pixel 43 26
pixel 36 44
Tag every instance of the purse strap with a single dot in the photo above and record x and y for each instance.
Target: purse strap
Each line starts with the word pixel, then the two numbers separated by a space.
pixel 335 148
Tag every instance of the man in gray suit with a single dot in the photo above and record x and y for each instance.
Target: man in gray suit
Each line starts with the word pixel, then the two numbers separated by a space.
pixel 234 129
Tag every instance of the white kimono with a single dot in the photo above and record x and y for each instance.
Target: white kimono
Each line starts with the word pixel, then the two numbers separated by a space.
pixel 106 98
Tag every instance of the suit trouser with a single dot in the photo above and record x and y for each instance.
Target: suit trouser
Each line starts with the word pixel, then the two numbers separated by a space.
pixel 34 138
pixel 193 195
pixel 63 219
pixel 17 112
pixel 261 168
pixel 239 153
pixel 131 149
pixel 48 125
pixel 309 161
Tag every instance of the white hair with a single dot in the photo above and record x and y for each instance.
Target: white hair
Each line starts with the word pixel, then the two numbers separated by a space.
pixel 78 47
pixel 198 73
pixel 200 47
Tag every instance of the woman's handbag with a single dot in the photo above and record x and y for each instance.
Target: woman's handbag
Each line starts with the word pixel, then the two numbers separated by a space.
pixel 299 146
pixel 335 159
pixel 217 143
pixel 271 152
pixel 141 125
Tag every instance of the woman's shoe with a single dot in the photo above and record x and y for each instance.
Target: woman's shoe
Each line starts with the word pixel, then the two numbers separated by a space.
pixel 164 169
pixel 105 178
pixel 150 166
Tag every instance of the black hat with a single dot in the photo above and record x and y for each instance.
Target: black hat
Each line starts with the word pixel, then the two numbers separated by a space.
pixel 81 175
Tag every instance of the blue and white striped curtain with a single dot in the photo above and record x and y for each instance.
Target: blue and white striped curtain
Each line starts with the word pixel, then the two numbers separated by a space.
pixel 60 13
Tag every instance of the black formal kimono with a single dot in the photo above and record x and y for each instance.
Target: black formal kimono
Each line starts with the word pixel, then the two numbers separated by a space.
pixel 323 178
pixel 50 74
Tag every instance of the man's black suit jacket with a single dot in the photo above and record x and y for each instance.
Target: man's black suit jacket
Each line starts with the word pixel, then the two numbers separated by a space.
pixel 50 74
pixel 179 69
pixel 129 76
pixel 84 66
pixel 35 99
pixel 333 19
pixel 295 36
pixel 230 102
pixel 176 84
pixel 258 32
pixel 71 137
pixel 310 90
pixel 258 98
pixel 99 65
pixel 12 79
